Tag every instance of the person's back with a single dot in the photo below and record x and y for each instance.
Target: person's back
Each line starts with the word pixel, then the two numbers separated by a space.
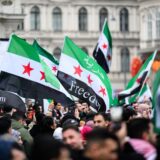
pixel 142 137
pixel 37 128
pixel 17 124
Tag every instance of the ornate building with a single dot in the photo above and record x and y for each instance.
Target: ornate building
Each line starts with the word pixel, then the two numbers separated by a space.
pixel 134 25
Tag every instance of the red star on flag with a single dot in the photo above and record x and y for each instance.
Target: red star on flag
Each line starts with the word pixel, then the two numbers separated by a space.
pixel 42 75
pixel 27 69
pixel 89 79
pixel 78 70
pixel 109 57
pixel 103 91
pixel 54 68
pixel 138 80
pixel 104 46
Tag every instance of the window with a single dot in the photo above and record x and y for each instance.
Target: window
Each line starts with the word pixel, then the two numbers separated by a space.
pixel 85 50
pixel 83 19
pixel 35 18
pixel 158 24
pixel 124 16
pixel 103 14
pixel 149 26
pixel 57 53
pixel 57 19
pixel 125 60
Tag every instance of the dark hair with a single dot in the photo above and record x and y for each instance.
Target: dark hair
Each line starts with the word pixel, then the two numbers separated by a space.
pixel 75 128
pixel 100 134
pixel 39 117
pixel 46 148
pixel 136 127
pixel 127 113
pixel 7 109
pixel 17 116
pixel 5 124
pixel 106 116
pixel 47 122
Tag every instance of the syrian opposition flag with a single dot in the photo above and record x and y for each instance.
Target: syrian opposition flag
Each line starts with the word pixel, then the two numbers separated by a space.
pixel 51 61
pixel 156 102
pixel 23 73
pixel 83 77
pixel 145 94
pixel 136 83
pixel 103 50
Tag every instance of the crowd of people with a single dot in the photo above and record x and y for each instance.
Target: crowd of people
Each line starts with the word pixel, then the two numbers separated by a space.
pixel 78 133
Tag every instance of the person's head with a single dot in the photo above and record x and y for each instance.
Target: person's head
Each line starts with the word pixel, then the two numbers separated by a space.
pixel 11 150
pixel 72 137
pixel 101 120
pixel 141 128
pixel 46 148
pixel 101 145
pixel 18 117
pixel 120 130
pixel 7 110
pixel 5 125
pixel 128 113
pixel 39 118
pixel 79 106
pixel 48 124
pixel 85 107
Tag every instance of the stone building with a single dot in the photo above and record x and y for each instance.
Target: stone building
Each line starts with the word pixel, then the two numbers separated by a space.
pixel 134 25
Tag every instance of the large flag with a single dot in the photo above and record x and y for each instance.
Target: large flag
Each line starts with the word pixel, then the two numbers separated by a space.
pixel 83 77
pixel 103 50
pixel 136 83
pixel 156 102
pixel 23 73
pixel 142 96
pixel 51 61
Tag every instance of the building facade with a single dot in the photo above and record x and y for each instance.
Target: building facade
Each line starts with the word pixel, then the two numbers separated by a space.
pixel 134 25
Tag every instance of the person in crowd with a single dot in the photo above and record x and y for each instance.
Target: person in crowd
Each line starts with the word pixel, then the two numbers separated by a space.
pixel 10 150
pixel 101 120
pixel 18 124
pixel 48 125
pixel 37 128
pixel 101 145
pixel 46 148
pixel 5 125
pixel 73 138
pixel 142 137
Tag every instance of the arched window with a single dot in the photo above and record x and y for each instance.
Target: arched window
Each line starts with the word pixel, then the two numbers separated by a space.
pixel 35 18
pixel 102 15
pixel 57 53
pixel 125 60
pixel 57 19
pixel 124 20
pixel 158 24
pixel 149 26
pixel 83 19
pixel 85 50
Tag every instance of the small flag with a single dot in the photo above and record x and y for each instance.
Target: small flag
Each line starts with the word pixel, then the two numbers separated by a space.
pixel 103 50
pixel 136 83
